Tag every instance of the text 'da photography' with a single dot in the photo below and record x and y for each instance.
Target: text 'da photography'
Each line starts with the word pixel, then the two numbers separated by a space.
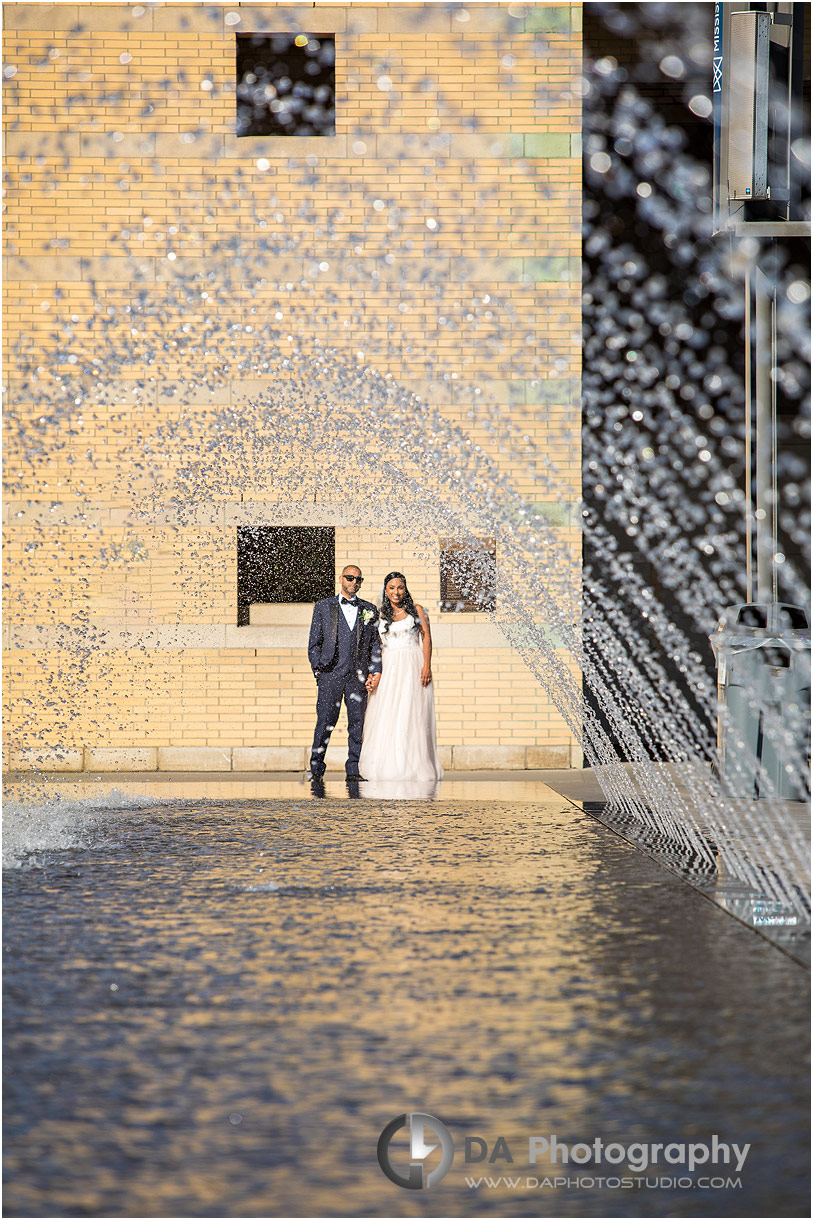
pixel 406 614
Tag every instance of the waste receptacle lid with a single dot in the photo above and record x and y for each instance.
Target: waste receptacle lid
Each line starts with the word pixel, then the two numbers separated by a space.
pixel 777 618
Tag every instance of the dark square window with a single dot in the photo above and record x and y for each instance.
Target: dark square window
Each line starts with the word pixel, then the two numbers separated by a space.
pixel 286 85
pixel 281 563
pixel 468 574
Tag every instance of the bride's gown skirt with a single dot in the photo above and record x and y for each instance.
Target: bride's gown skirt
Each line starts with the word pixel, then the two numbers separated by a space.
pixel 399 726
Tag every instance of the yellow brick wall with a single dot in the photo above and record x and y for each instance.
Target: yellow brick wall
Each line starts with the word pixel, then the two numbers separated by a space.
pixel 163 276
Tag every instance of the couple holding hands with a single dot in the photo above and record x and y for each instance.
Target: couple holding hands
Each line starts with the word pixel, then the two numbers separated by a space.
pixel 379 664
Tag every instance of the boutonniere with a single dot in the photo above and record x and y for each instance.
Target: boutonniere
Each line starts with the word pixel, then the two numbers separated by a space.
pixel 367 617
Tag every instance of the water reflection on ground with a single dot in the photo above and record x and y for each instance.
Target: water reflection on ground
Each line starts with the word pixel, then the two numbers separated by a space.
pixel 214 1008
pixel 780 916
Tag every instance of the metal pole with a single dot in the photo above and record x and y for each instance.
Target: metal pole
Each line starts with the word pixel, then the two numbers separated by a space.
pixel 749 502
pixel 774 454
pixel 763 296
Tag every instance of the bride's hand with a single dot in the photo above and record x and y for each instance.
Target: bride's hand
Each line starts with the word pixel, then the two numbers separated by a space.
pixel 372 682
pixel 426 675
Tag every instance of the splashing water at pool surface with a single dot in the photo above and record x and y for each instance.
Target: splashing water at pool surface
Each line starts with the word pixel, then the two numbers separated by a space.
pixel 356 303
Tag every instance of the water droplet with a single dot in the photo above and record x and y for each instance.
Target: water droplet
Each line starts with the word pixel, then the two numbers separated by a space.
pixel 701 105
pixel 798 292
pixel 672 65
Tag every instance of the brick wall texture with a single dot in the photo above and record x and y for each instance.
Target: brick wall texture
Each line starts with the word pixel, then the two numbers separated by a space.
pixel 204 331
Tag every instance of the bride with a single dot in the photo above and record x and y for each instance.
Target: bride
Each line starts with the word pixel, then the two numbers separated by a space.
pixel 399 727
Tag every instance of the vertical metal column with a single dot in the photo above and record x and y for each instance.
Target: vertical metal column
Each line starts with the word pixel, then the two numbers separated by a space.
pixel 764 362
pixel 749 429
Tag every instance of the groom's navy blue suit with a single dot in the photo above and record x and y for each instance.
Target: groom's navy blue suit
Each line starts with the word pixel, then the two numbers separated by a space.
pixel 341 659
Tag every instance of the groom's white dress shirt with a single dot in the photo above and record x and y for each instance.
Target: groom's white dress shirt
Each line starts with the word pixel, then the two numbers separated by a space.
pixel 350 612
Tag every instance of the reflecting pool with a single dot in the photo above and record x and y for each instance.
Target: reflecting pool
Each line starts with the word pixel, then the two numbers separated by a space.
pixel 215 1007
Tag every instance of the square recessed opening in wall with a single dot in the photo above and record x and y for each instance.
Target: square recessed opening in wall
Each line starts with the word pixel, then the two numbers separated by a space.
pixel 286 85
pixel 468 574
pixel 281 563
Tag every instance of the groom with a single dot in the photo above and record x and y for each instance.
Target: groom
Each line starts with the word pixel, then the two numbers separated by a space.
pixel 343 650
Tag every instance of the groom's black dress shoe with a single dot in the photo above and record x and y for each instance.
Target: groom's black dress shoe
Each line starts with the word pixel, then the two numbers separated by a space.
pixel 354 779
pixel 314 775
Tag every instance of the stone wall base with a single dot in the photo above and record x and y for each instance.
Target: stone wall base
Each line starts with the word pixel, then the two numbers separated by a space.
pixel 281 759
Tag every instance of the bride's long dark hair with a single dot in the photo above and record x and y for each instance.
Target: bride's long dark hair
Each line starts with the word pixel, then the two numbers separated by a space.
pixel 386 604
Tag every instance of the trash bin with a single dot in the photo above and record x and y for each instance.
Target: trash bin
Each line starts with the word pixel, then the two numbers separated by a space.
pixel 763 693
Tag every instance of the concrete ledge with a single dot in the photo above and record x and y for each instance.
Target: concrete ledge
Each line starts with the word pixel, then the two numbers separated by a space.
pixel 116 144
pixel 549 19
pixel 211 18
pixel 281 760
pixel 202 145
pixel 289 18
pixel 109 636
pixel 284 512
pixel 564 392
pixel 489 19
pixel 193 758
pixel 280 614
pixel 36 759
pixel 518 391
pixel 39 17
pixel 289 632
pixel 536 393
pixel 275 148
pixel 269 758
pixel 117 17
pixel 418 19
pixel 39 268
pixel 139 758
pixel 488 758
pixel 472 635
pixel 334 759
pixel 62 268
pixel 547 757
pixel 183 18
pixel 267 637
pixel 86 18
pixel 22 143
pixel 516 270
pixel 213 146
pixel 187 268
pixel 544 144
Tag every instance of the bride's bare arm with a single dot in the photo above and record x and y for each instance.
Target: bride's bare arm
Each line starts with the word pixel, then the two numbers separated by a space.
pixel 426 637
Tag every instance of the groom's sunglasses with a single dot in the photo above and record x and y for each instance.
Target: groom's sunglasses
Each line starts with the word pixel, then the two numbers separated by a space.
pixel 359 580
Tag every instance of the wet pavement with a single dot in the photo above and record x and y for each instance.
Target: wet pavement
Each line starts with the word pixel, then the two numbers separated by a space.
pixel 214 1007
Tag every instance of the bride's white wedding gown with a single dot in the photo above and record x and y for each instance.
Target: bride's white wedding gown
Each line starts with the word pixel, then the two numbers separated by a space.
pixel 399 726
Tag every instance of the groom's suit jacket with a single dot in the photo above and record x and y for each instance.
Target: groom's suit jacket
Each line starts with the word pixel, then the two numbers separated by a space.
pixel 323 642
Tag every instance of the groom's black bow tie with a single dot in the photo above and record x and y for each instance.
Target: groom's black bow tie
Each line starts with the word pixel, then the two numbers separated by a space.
pixel 349 601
